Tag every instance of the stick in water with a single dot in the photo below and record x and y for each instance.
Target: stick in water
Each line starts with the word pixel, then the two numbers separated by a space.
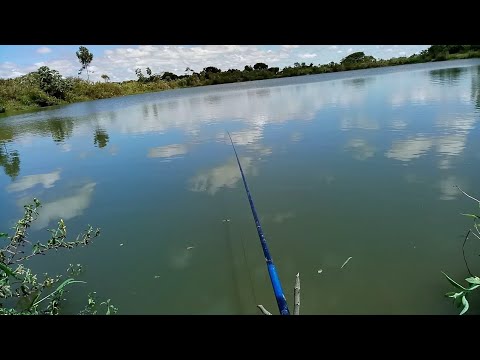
pixel 346 261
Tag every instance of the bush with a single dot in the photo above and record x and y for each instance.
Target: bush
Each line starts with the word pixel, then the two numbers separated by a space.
pixel 52 82
pixel 40 98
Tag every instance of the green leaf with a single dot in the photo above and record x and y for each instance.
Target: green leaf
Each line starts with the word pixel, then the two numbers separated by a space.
pixel 457 285
pixel 3 235
pixel 60 288
pixel 68 282
pixel 454 294
pixel 458 300
pixel 465 305
pixel 7 270
pixel 473 280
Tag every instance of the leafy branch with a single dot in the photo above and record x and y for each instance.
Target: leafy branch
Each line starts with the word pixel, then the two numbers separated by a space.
pixel 460 298
pixel 21 290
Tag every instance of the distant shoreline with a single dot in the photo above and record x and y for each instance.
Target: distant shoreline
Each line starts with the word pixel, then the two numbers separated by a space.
pixel 23 95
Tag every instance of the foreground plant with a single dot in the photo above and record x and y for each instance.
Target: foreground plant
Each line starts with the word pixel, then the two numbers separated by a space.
pixel 460 297
pixel 23 292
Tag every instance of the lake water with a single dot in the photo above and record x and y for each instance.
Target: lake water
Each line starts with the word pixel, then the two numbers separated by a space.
pixel 360 164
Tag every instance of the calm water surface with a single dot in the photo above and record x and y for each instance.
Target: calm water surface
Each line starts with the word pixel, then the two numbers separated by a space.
pixel 358 164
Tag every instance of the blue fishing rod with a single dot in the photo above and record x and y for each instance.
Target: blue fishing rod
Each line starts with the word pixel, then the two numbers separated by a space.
pixel 275 280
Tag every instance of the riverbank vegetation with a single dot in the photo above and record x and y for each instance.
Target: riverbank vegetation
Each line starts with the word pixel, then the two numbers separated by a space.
pixel 46 87
pixel 24 291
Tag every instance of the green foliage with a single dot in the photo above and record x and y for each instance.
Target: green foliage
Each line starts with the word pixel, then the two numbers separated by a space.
pixel 52 83
pixel 260 66
pixel 460 297
pixel 85 57
pixel 23 292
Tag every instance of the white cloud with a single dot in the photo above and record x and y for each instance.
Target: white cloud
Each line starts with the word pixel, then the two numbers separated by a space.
pixel 226 175
pixel 44 50
pixel 65 208
pixel 27 182
pixel 350 50
pixel 333 47
pixel 308 56
pixel 402 53
pixel 65 147
pixel 361 149
pixel 290 46
pixel 168 151
pixel 406 150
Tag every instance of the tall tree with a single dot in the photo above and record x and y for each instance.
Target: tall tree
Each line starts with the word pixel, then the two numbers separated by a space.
pixel 105 77
pixel 85 57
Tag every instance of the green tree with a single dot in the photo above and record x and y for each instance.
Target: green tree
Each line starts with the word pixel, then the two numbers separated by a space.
pixel 248 68
pixel 357 57
pixel 169 76
pixel 85 57
pixel 212 70
pixel 149 71
pixel 106 77
pixel 260 66
pixel 140 76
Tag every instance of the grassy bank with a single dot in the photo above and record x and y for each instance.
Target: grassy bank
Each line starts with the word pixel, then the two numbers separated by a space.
pixel 47 87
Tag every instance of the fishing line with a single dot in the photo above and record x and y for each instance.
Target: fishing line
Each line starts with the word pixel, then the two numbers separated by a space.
pixel 252 288
pixel 230 247
pixel 272 271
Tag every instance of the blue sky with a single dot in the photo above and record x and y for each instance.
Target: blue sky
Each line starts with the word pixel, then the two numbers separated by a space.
pixel 120 61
